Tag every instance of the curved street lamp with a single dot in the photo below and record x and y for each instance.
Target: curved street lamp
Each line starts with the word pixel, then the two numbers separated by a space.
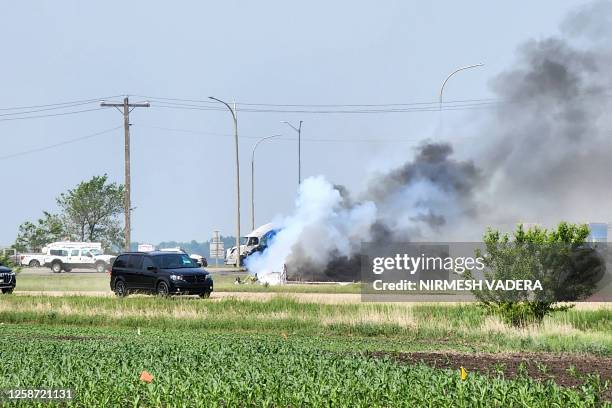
pixel 233 112
pixel 298 129
pixel 453 73
pixel 253 178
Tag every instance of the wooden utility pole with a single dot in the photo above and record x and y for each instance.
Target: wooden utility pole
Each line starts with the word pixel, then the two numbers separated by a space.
pixel 127 203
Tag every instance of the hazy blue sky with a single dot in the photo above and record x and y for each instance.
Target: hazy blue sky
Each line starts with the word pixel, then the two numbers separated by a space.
pixel 315 52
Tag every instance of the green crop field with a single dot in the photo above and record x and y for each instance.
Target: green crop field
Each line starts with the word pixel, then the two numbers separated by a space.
pixel 285 352
pixel 198 368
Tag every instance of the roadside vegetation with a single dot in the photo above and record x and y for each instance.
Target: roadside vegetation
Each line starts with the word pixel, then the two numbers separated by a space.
pixel 94 282
pixel 402 326
pixel 284 352
pixel 560 259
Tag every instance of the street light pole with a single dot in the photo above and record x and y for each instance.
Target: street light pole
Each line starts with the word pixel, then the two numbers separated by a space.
pixel 298 129
pixel 453 73
pixel 253 178
pixel 232 111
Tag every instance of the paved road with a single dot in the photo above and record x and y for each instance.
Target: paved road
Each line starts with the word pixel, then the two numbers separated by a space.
pixel 223 271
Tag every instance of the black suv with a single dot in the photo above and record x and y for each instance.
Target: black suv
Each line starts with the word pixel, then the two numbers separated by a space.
pixel 7 279
pixel 164 273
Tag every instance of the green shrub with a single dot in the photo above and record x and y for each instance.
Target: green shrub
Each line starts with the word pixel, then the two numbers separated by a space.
pixel 559 259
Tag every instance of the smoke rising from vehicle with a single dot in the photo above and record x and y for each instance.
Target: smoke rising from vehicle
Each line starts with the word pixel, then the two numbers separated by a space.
pixel 543 155
pixel 547 148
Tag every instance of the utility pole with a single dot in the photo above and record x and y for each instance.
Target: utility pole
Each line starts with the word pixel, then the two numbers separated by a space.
pixel 298 129
pixel 127 204
pixel 233 112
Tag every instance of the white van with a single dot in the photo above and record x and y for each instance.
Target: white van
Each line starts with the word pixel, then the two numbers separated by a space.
pixel 251 242
pixel 67 255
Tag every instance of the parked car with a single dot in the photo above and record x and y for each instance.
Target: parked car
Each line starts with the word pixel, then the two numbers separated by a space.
pixel 64 256
pixel 8 280
pixel 161 272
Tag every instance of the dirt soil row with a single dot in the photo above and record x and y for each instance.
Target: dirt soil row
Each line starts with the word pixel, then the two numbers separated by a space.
pixel 567 370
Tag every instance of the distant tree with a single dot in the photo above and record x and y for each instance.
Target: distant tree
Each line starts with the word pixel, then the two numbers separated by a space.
pixel 89 212
pixel 92 209
pixel 34 236
pixel 560 259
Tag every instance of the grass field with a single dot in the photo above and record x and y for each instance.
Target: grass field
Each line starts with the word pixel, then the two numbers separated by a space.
pixel 285 352
pixel 98 282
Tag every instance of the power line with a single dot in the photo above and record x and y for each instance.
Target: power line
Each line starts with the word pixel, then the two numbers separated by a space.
pixel 83 101
pixel 51 115
pixel 336 140
pixel 52 146
pixel 410 107
pixel 331 140
pixel 44 109
pixel 343 111
pixel 436 103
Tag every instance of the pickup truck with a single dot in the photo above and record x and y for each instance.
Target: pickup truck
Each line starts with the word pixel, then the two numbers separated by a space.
pixel 32 260
pixel 65 259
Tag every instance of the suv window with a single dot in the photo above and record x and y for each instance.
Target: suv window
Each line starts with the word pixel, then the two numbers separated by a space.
pixel 75 252
pixel 58 252
pixel 146 262
pixel 174 261
pixel 121 261
pixel 135 261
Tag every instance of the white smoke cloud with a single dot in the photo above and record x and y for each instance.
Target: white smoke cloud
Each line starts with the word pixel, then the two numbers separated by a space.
pixel 320 226
pixel 417 200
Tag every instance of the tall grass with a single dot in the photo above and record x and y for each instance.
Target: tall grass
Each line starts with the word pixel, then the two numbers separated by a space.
pixel 223 283
pixel 439 325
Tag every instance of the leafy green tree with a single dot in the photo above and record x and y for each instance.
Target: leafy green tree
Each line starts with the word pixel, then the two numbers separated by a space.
pixel 34 236
pixel 91 211
pixel 560 259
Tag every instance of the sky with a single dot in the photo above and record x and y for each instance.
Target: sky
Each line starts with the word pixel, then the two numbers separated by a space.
pixel 265 52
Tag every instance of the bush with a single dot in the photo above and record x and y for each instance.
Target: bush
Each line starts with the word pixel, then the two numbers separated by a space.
pixel 560 259
pixel 520 314
pixel 6 261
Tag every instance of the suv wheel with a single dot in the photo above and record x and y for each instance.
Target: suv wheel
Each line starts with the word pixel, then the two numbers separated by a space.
pixel 120 289
pixel 7 291
pixel 162 289
pixel 100 267
pixel 34 263
pixel 205 295
pixel 56 267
